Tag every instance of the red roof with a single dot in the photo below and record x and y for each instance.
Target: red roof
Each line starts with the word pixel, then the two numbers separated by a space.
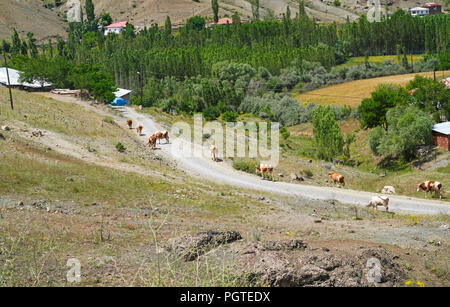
pixel 224 21
pixel 121 24
pixel 430 4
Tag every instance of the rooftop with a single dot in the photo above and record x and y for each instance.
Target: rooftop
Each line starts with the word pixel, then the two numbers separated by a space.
pixel 14 77
pixel 443 128
pixel 121 92
pixel 121 24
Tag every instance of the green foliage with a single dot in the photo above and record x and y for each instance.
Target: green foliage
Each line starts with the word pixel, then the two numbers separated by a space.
pixel 245 165
pixel 285 133
pixel 168 25
pixel 196 23
pixel 120 147
pixel 230 116
pixel 211 113
pixel 373 110
pixel 106 19
pixel 215 8
pixel 408 128
pixel 327 134
pixel 430 96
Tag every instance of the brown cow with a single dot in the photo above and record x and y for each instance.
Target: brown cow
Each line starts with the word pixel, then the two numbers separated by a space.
pixel 265 168
pixel 139 130
pixel 213 150
pixel 130 123
pixel 337 178
pixel 162 135
pixel 430 186
pixel 152 141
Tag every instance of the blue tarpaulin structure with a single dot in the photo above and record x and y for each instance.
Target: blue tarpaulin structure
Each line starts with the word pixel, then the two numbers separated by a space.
pixel 118 102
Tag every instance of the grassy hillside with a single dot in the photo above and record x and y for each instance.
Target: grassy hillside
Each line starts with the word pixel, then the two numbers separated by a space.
pixel 351 93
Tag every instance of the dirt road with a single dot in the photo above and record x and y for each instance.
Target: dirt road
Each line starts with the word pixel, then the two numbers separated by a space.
pixel 224 174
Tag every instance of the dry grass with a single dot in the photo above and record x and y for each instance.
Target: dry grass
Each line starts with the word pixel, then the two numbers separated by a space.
pixel 351 93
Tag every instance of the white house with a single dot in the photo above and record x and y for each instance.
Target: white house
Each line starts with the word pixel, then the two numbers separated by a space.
pixel 419 11
pixel 14 80
pixel 124 94
pixel 115 27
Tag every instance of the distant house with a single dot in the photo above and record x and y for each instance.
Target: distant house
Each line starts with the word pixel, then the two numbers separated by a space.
pixel 223 22
pixel 441 135
pixel 116 28
pixel 124 94
pixel 446 81
pixel 419 11
pixel 14 81
pixel 433 8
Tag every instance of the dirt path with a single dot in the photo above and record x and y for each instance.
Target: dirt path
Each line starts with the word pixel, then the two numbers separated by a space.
pixel 224 174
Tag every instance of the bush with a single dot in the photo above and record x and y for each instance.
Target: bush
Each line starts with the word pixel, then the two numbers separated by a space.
pixel 211 113
pixel 308 173
pixel 245 165
pixel 120 147
pixel 230 116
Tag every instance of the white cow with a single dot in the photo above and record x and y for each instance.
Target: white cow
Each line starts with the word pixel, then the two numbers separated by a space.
pixel 388 190
pixel 380 200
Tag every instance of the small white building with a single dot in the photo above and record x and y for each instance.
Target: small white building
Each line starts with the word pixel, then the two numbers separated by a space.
pixel 124 94
pixel 14 80
pixel 419 11
pixel 116 28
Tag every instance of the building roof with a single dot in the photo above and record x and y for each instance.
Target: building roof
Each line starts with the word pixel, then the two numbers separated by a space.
pixel 443 128
pixel 121 24
pixel 224 21
pixel 121 92
pixel 14 77
pixel 430 4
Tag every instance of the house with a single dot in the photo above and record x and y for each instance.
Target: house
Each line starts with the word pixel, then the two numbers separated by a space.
pixel 116 28
pixel 446 81
pixel 223 22
pixel 124 94
pixel 441 135
pixel 433 8
pixel 419 11
pixel 14 81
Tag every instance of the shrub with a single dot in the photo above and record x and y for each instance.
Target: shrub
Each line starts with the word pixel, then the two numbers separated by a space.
pixel 211 113
pixel 230 116
pixel 120 147
pixel 308 173
pixel 245 165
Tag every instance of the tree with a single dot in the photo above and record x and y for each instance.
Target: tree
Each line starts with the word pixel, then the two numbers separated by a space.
pixel 168 25
pixel 15 43
pixel 31 45
pixel 215 8
pixel 89 7
pixel 409 128
pixel 327 134
pixel 373 110
pixel 106 19
pixel 195 23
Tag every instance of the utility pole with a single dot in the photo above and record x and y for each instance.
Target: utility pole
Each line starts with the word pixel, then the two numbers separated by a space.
pixel 9 84
pixel 140 83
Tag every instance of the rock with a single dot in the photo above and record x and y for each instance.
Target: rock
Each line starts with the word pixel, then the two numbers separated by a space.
pixel 68 179
pixel 191 247
pixel 328 166
pixel 280 175
pixel 301 268
pixel 2 137
pixel 37 133
pixel 294 177
pixel 284 245
pixel 5 128
pixel 261 198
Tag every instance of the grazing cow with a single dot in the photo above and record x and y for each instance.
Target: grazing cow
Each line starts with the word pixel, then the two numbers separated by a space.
pixel 213 150
pixel 130 124
pixel 337 178
pixel 379 201
pixel 337 161
pixel 152 141
pixel 162 135
pixel 388 190
pixel 139 130
pixel 265 168
pixel 430 186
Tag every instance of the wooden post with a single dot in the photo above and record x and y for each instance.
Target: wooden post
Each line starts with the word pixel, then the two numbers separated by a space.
pixel 9 84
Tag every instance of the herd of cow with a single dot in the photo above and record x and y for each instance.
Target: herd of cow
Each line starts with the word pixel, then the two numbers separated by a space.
pixel 428 186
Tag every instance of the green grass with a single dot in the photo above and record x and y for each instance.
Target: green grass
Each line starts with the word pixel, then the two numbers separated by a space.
pixel 378 59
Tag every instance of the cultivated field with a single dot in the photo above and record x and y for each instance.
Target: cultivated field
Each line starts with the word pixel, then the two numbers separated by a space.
pixel 351 93
pixel 71 194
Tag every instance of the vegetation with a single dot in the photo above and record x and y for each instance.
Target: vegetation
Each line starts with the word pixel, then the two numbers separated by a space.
pixel 327 134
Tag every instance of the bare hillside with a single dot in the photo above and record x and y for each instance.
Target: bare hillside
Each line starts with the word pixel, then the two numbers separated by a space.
pixel 29 16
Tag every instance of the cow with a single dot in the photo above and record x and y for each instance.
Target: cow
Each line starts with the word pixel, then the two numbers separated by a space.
pixel 337 178
pixel 213 150
pixel 430 186
pixel 388 190
pixel 162 135
pixel 265 168
pixel 152 141
pixel 139 130
pixel 376 201
pixel 130 124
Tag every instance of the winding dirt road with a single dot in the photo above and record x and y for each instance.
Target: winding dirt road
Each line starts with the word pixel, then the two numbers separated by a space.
pixel 224 174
